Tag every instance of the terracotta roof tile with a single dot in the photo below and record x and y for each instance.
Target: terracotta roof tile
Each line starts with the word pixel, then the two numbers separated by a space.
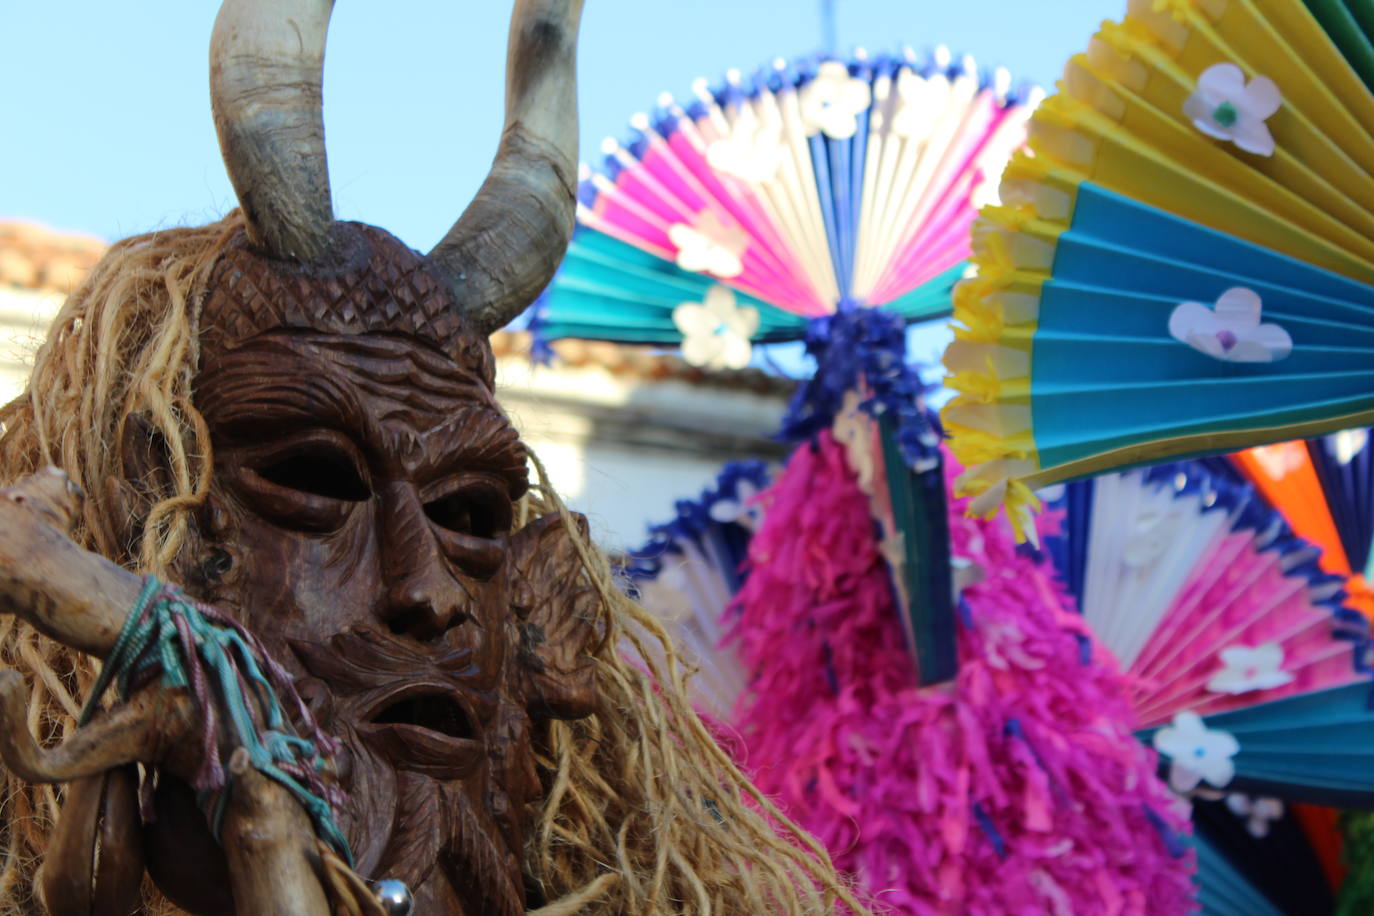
pixel 37 258
pixel 34 257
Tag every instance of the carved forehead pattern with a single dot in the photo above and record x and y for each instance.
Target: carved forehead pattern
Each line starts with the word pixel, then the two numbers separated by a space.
pixel 369 283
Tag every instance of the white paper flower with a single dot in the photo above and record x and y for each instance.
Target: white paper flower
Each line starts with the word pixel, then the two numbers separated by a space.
pixel 1231 331
pixel 715 333
pixel 1347 443
pixel 1258 813
pixel 853 429
pixel 709 246
pixel 1226 107
pixel 832 101
pixel 911 109
pixel 742 510
pixel 1281 459
pixel 752 150
pixel 1196 752
pixel 1149 537
pixel 1246 669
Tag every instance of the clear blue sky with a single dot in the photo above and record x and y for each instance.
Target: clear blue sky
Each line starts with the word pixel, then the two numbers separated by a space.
pixel 105 119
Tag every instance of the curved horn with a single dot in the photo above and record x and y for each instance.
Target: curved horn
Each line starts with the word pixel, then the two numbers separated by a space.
pixel 266 69
pixel 505 247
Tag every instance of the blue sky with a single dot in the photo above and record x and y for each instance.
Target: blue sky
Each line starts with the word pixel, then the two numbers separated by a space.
pixel 105 119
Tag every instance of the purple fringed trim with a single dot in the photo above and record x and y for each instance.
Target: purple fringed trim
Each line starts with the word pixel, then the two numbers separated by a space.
pixel 694 520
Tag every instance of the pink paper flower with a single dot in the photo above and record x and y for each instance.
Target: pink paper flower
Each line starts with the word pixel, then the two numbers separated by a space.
pixel 1258 813
pixel 1246 669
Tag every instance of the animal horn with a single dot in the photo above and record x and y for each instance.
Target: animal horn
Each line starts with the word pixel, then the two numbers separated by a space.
pixel 266 69
pixel 505 247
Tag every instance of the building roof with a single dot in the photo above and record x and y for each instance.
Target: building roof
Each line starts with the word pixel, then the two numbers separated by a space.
pixel 36 258
pixel 33 257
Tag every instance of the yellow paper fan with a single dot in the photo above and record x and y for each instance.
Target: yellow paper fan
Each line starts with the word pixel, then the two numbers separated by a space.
pixel 1183 261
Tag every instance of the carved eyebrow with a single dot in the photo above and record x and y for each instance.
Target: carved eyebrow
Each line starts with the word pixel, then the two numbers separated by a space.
pixel 248 397
pixel 476 437
pixel 249 393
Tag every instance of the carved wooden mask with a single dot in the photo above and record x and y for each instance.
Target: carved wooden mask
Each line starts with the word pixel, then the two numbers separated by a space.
pixel 360 515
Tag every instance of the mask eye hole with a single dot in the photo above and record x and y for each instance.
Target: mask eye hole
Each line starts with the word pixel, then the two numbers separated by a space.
pixel 317 471
pixel 480 510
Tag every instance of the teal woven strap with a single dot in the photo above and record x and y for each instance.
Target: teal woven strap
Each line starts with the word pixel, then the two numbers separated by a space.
pixel 185 644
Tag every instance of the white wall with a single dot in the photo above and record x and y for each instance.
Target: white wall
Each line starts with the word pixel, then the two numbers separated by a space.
pixel 622 451
pixel 24 319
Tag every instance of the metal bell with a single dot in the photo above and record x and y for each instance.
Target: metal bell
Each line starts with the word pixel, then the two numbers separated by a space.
pixel 394 897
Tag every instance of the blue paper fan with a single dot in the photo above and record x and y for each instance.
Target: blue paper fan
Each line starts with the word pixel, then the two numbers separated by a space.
pixel 690 569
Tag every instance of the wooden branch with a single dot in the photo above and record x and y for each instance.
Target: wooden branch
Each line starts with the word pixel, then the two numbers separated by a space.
pixel 270 843
pixel 139 731
pixel 82 600
pixel 74 596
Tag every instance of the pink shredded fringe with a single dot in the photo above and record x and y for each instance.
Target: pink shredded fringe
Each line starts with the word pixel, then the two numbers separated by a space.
pixel 1016 789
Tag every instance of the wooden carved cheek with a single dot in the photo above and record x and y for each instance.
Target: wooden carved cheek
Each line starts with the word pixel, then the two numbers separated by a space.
pixel 555 610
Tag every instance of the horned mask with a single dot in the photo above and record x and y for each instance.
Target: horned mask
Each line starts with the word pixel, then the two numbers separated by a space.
pixel 361 518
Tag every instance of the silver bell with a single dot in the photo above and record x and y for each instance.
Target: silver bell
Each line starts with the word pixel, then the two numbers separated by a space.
pixel 394 897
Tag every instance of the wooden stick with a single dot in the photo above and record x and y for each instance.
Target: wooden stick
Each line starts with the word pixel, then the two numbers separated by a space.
pixel 270 843
pixel 72 595
pixel 144 730
pixel 82 600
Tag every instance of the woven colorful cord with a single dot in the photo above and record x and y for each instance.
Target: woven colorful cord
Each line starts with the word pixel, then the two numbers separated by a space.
pixel 194 646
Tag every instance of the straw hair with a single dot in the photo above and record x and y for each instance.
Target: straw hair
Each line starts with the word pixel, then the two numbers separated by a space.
pixel 644 813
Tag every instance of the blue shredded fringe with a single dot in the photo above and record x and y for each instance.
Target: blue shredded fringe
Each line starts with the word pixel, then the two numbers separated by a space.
pixel 868 346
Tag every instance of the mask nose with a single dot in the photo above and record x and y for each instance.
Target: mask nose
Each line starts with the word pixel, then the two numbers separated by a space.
pixel 416 607
pixel 423 599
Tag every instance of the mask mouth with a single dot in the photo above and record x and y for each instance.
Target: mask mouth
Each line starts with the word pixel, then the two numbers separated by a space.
pixel 426 730
pixel 436 712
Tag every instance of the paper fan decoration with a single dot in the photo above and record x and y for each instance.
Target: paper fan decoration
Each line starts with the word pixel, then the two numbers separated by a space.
pixel 1325 489
pixel 802 187
pixel 1184 262
pixel 1252 857
pixel 691 569
pixel 1251 674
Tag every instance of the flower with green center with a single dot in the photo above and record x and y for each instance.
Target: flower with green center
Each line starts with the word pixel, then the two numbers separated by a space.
pixel 1227 107
pixel 1225 114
